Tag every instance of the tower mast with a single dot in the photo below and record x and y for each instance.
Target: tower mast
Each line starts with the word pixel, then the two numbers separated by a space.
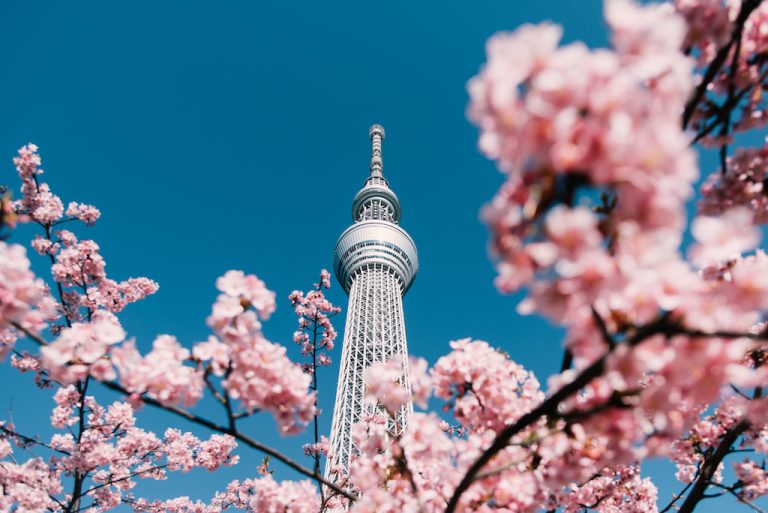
pixel 376 262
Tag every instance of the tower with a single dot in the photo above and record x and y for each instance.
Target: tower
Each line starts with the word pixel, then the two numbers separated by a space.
pixel 376 262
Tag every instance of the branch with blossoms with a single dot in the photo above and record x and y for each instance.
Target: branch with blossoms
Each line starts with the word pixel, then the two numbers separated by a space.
pixel 723 42
pixel 101 453
pixel 594 410
pixel 315 335
pixel 568 125
pixel 210 352
pixel 412 470
pixel 245 372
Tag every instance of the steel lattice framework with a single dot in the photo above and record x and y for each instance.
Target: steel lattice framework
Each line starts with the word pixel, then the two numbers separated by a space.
pixel 376 262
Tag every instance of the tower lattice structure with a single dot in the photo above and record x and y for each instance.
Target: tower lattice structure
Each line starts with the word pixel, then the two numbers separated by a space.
pixel 376 262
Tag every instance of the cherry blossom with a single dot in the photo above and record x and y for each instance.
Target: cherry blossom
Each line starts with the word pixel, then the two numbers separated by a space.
pixel 316 336
pixel 724 237
pixel 479 381
pixel 161 373
pixel 24 299
pixel 742 183
pixel 384 385
pixel 249 289
pixel 86 213
pixel 753 478
pixel 81 350
pixel 259 494
pixel 111 451
pixel 733 90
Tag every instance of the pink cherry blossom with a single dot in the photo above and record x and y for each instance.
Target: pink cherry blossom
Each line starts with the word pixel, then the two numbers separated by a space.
pixel 384 385
pixel 81 350
pixel 86 213
pixel 250 289
pixel 754 479
pixel 724 237
pixel 214 351
pixel 737 84
pixel 263 378
pixel 161 374
pixel 260 494
pixel 24 299
pixel 421 383
pixel 486 389
pixel 741 184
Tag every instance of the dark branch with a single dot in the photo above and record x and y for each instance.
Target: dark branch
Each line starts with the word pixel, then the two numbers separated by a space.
pixel 710 465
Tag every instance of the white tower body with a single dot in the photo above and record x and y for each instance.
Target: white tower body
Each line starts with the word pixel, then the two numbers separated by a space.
pixel 376 262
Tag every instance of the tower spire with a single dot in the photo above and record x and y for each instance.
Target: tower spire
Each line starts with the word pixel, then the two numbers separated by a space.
pixel 376 133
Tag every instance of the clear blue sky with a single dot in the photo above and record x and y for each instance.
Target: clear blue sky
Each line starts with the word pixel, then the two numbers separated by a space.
pixel 233 135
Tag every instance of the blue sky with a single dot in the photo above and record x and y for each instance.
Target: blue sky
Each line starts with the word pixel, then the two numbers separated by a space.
pixel 233 135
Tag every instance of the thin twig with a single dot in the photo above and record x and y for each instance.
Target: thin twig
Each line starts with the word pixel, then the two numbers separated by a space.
pixel 741 499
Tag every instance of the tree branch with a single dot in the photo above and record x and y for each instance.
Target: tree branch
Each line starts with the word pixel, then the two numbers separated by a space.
pixel 710 465
pixel 717 63
pixel 250 442
pixel 548 408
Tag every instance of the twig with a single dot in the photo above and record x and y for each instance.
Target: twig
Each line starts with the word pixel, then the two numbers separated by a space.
pixel 679 495
pixel 717 63
pixel 741 499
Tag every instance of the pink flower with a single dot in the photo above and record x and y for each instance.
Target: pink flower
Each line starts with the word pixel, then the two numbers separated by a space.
pixel 315 331
pixel 249 288
pixel 66 401
pixel 214 351
pixel 24 299
pixel 79 264
pixel 86 213
pixel 161 374
pixel 325 279
pixel 216 451
pixel 488 390
pixel 421 383
pixel 81 350
pixel 723 237
pixel 319 448
pixel 262 377
pixel 741 185
pixel 384 385
pixel 754 479
pixel 644 30
pixel 573 231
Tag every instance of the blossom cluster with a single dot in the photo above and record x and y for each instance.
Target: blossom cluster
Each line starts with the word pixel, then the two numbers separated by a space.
pixel 741 184
pixel 78 267
pixel 25 300
pixel 554 464
pixel 735 99
pixel 316 335
pixel 259 494
pixel 479 381
pixel 568 126
pixel 257 373
pixel 111 451
pixel 90 343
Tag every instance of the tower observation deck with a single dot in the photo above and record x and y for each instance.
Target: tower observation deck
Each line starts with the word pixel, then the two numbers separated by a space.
pixel 375 261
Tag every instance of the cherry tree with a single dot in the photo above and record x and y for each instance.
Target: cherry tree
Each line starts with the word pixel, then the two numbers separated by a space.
pixel 664 345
